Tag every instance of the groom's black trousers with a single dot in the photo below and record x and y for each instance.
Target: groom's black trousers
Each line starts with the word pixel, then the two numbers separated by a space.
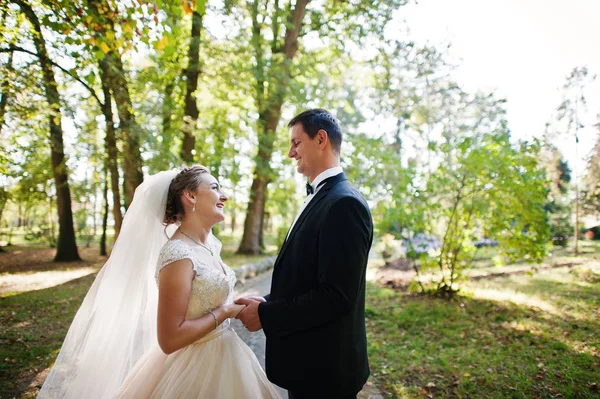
pixel 313 395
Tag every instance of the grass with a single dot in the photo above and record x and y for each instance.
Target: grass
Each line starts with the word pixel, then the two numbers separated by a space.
pixel 38 300
pixel 32 327
pixel 512 337
pixel 516 336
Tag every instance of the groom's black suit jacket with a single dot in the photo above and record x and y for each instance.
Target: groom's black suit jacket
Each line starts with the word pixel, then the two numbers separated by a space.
pixel 314 317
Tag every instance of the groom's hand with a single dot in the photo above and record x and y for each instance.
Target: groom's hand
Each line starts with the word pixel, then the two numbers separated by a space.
pixel 256 298
pixel 249 316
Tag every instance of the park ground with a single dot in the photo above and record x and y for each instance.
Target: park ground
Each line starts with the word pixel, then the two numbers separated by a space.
pixel 514 331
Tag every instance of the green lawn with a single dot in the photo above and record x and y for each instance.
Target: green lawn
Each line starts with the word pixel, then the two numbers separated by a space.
pixel 32 327
pixel 516 336
pixel 511 337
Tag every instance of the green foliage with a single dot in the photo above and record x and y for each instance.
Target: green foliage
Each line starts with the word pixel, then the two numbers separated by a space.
pixel 448 170
pixel 491 189
pixel 591 194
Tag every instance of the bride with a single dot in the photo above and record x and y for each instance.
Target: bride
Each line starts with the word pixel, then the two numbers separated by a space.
pixel 132 340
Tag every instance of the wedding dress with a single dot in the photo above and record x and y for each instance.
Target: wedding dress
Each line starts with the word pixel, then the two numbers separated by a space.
pixel 219 365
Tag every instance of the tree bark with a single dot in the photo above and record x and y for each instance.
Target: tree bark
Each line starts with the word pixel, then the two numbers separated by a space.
pixel 269 106
pixel 3 200
pixel 132 156
pixel 5 90
pixel 111 149
pixel 66 248
pixel 103 251
pixel 192 73
pixel 116 81
pixel 167 109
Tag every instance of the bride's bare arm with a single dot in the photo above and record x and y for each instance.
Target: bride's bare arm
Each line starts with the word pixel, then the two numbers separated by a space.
pixel 174 290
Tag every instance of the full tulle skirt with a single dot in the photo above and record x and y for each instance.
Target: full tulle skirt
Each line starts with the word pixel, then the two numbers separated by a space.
pixel 220 365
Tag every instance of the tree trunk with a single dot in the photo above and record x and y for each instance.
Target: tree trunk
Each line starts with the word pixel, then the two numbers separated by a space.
pixel 94 220
pixel 132 165
pixel 5 89
pixel 3 200
pixel 167 110
pixel 111 149
pixel 192 73
pixel 251 239
pixel 116 81
pixel 85 229
pixel 269 115
pixel 52 239
pixel 66 249
pixel 104 214
pixel 233 221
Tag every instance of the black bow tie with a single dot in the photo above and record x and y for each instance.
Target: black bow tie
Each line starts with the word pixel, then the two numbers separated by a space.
pixel 309 188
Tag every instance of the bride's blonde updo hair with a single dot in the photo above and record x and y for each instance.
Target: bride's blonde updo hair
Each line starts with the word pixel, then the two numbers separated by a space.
pixel 188 179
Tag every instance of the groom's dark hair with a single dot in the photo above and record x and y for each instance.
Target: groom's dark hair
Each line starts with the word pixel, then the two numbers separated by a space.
pixel 316 119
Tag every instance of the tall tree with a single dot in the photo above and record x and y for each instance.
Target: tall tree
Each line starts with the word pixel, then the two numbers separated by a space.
pixel 558 204
pixel 103 251
pixel 572 111
pixel 192 73
pixel 102 27
pixel 270 87
pixel 66 249
pixel 592 192
pixel 5 88
pixel 111 147
pixel 275 33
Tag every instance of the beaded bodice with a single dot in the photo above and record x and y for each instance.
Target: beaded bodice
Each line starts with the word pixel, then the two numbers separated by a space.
pixel 213 282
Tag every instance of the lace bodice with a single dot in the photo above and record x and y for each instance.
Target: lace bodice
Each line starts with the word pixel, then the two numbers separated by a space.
pixel 211 288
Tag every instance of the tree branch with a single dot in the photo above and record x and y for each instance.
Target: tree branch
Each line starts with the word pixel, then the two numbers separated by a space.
pixel 77 78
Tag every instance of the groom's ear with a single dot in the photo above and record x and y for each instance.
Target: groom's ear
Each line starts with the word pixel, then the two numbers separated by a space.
pixel 322 138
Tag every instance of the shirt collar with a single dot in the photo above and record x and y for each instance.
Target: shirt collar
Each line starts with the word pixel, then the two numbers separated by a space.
pixel 326 174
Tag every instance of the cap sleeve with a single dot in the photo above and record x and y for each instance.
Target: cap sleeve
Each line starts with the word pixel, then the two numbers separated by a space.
pixel 171 252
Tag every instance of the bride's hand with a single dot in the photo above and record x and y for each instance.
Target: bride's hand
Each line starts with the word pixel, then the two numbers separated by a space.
pixel 233 310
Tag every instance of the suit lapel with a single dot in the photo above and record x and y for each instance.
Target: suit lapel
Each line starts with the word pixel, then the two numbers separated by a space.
pixel 330 183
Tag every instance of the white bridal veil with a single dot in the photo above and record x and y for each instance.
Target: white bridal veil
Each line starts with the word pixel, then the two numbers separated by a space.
pixel 116 324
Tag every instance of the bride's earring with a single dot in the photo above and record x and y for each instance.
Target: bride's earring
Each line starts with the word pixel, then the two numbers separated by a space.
pixel 194 207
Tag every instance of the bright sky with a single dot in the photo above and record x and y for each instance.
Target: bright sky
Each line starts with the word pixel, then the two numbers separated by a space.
pixel 521 49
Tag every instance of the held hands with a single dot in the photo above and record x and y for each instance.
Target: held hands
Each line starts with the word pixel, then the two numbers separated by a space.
pixel 232 311
pixel 249 315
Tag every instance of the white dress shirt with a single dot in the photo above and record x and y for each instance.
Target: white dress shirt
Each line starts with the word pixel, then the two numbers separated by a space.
pixel 326 174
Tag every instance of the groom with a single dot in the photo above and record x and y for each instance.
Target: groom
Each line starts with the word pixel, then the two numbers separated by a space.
pixel 314 316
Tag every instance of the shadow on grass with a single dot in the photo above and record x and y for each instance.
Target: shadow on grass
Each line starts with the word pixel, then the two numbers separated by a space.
pixel 480 348
pixel 30 259
pixel 33 326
